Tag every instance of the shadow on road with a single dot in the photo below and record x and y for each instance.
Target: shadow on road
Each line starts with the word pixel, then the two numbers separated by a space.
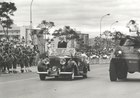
pixel 130 80
pixel 65 79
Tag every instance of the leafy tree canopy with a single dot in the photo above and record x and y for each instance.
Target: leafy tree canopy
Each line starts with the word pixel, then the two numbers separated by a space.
pixel 68 32
pixel 7 10
pixel 46 25
pixel 44 28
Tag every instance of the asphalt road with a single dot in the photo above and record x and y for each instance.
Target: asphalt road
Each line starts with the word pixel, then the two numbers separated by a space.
pixel 97 85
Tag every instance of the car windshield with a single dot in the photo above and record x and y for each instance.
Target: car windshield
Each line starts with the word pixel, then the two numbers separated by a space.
pixel 62 52
pixel 131 42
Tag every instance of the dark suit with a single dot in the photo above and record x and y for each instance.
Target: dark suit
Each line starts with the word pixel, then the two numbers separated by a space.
pixel 62 44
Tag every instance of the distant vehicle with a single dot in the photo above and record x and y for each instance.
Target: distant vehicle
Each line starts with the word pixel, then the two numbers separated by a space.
pixel 94 56
pixel 105 56
pixel 125 58
pixel 62 62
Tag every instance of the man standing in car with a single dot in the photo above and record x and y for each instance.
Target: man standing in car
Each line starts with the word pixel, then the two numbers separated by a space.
pixel 62 43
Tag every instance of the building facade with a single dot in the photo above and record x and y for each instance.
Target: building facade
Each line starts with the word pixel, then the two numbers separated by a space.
pixel 13 33
pixel 21 33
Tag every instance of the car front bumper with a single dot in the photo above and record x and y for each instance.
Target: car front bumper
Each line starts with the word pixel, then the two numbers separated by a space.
pixel 57 73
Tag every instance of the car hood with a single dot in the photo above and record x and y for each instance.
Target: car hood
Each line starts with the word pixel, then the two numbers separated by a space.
pixel 58 57
pixel 129 52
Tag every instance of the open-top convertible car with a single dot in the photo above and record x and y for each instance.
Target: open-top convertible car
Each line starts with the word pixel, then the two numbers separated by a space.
pixel 125 58
pixel 62 62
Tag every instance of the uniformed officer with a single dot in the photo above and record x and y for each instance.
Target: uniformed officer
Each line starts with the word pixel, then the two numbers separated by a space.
pixel 1 63
pixel 15 59
pixel 6 62
pixel 21 61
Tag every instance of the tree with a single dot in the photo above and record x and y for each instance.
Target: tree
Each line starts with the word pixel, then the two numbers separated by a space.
pixel 44 29
pixel 40 36
pixel 68 32
pixel 98 46
pixel 7 10
pixel 107 33
pixel 58 32
pixel 45 26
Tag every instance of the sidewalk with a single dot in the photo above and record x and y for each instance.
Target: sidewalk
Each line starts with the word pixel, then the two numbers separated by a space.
pixel 32 68
pixel 18 69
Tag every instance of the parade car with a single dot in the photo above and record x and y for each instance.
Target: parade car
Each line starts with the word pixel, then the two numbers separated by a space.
pixel 62 62
pixel 125 58
pixel 105 56
pixel 94 56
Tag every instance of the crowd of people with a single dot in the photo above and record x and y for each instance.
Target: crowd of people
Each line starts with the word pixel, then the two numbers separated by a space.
pixel 15 54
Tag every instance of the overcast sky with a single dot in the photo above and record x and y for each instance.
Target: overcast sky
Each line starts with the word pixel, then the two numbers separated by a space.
pixel 84 15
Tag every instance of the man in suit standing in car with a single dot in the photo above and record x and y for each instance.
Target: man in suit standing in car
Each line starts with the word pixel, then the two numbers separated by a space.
pixel 62 43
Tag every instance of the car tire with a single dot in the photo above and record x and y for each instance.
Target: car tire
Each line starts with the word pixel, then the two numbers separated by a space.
pixel 112 72
pixel 123 76
pixel 42 76
pixel 85 76
pixel 85 72
pixel 122 71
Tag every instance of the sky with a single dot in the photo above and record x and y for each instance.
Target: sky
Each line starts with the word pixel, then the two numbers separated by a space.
pixel 82 15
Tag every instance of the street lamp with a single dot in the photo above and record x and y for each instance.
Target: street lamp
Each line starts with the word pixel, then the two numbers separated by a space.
pixel 31 14
pixel 101 23
pixel 113 24
pixel 31 19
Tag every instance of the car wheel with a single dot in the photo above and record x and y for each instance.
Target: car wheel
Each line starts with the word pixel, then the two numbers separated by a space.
pixel 85 72
pixel 122 72
pixel 112 72
pixel 42 77
pixel 122 76
pixel 85 75
pixel 125 76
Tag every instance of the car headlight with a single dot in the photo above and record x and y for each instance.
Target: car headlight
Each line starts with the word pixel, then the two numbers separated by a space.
pixel 46 61
pixel 62 61
pixel 119 53
pixel 138 50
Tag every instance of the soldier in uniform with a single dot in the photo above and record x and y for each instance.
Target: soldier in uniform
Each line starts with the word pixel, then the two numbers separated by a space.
pixel 26 62
pixel 21 61
pixel 6 62
pixel 14 63
pixel 1 63
pixel 31 59
pixel 10 62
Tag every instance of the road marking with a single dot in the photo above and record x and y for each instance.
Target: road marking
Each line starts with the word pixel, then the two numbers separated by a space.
pixel 5 82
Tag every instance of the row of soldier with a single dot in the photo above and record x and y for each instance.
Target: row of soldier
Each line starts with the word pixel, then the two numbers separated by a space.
pixel 13 55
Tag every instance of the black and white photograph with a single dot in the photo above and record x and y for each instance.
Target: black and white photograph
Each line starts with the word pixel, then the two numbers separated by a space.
pixel 69 48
